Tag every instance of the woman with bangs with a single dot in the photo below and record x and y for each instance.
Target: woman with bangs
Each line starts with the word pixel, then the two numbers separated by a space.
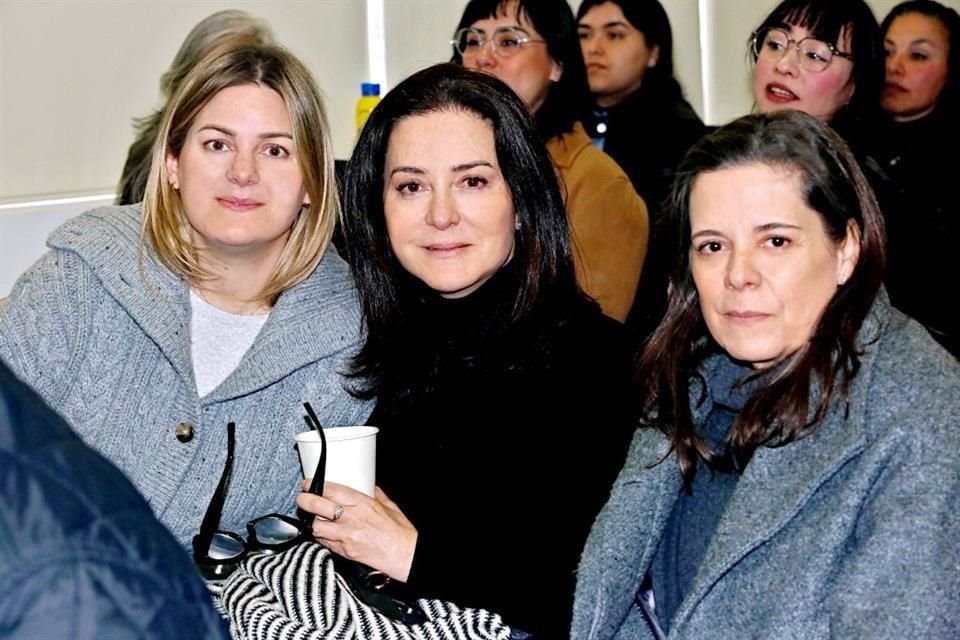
pixel 639 117
pixel 825 58
pixel 151 327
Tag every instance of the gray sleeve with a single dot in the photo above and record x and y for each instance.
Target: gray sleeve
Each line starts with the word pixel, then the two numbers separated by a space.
pixel 329 390
pixel 44 318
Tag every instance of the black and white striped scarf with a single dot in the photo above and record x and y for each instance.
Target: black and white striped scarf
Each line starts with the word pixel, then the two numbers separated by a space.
pixel 297 595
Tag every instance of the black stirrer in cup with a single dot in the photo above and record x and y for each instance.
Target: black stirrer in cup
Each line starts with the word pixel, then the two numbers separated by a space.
pixel 316 485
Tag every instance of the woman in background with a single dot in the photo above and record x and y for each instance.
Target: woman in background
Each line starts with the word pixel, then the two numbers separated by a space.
pixel 150 328
pixel 922 42
pixel 213 30
pixel 798 471
pixel 823 58
pixel 639 117
pixel 532 46
pixel 501 390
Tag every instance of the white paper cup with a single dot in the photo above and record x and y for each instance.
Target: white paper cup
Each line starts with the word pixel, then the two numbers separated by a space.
pixel 351 459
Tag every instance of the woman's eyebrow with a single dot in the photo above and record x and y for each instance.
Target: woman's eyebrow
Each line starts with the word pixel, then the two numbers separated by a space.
pixel 406 169
pixel 466 166
pixel 230 132
pixel 770 226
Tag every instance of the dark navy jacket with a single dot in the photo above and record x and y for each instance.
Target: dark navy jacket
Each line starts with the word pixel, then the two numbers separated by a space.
pixel 81 554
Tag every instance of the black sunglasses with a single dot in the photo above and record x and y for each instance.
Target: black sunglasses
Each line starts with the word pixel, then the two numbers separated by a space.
pixel 218 553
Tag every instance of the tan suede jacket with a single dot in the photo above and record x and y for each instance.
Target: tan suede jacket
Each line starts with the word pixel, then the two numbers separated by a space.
pixel 609 227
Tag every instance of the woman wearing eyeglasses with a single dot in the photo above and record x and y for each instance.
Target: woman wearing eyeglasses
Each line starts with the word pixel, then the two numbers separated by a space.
pixel 150 328
pixel 824 58
pixel 533 47
pixel 502 391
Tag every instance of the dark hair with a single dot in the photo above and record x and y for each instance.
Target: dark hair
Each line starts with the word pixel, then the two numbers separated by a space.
pixel 833 186
pixel 950 20
pixel 827 19
pixel 649 18
pixel 542 258
pixel 568 99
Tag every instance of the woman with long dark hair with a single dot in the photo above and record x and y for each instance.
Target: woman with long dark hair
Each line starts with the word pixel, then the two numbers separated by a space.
pixel 639 117
pixel 501 389
pixel 920 98
pixel 796 470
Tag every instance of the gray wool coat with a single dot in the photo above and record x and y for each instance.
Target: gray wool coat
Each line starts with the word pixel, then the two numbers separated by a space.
pixel 851 532
pixel 108 346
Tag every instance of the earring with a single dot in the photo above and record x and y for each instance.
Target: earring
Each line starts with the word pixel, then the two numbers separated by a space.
pixel 842 280
pixel 516 224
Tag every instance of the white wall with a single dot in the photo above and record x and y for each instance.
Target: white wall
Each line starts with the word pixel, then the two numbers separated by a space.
pixel 73 73
pixel 24 229
pixel 418 34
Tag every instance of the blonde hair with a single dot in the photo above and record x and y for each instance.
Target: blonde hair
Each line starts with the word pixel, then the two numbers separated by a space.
pixel 213 30
pixel 238 62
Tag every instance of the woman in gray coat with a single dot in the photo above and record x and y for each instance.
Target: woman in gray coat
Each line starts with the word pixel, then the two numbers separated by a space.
pixel 151 327
pixel 798 472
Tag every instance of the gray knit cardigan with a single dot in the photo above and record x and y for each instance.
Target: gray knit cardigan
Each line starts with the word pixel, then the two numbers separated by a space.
pixel 851 532
pixel 108 346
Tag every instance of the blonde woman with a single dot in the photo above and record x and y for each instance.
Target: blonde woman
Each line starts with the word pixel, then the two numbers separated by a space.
pixel 151 328
pixel 206 35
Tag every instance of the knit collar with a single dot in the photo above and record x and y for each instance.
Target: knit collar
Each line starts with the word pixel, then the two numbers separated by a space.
pixel 312 320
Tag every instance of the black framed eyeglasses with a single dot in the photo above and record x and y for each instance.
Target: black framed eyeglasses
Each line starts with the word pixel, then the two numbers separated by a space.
pixel 505 42
pixel 814 55
pixel 218 553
